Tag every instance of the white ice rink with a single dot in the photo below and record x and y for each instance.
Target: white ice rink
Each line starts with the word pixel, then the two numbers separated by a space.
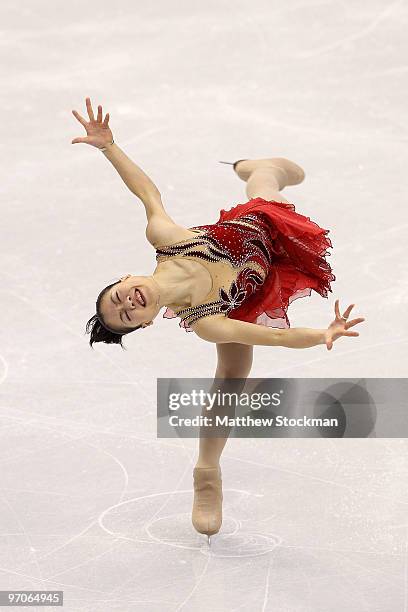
pixel 91 502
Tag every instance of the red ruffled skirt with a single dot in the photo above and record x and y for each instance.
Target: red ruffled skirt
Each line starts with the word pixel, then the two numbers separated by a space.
pixel 299 265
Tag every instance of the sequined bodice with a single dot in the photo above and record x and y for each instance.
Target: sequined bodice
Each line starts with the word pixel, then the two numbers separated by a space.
pixel 238 255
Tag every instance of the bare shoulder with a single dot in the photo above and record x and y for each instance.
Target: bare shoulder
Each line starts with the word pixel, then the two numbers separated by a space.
pixel 161 230
pixel 220 329
pixel 214 328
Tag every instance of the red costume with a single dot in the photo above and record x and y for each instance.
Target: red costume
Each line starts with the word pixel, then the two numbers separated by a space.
pixel 287 246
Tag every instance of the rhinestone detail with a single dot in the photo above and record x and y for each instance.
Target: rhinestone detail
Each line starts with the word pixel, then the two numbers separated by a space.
pixel 241 243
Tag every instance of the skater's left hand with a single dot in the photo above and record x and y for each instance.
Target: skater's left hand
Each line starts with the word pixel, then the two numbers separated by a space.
pixel 339 326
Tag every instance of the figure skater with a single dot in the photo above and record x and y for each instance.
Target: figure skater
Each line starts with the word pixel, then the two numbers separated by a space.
pixel 230 282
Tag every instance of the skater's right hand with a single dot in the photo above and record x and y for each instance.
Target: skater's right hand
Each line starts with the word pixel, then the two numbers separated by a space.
pixel 98 134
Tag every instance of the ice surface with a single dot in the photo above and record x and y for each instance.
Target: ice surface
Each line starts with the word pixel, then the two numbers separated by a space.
pixel 92 503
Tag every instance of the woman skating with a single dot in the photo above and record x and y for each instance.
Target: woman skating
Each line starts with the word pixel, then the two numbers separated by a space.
pixel 230 282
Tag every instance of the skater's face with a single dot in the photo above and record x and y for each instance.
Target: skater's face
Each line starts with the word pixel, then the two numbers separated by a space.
pixel 130 303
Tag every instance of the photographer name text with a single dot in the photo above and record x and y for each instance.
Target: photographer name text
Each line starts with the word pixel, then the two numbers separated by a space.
pixel 249 421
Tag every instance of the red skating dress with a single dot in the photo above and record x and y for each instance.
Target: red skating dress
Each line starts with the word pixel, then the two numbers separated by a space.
pixel 278 256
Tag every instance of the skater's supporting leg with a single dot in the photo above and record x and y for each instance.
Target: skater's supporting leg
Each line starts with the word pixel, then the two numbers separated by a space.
pixel 234 361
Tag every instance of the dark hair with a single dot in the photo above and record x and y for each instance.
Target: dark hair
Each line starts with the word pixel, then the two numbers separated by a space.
pixel 99 331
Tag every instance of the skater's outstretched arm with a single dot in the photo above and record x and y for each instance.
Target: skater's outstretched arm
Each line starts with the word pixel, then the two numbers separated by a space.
pixel 221 329
pixel 160 226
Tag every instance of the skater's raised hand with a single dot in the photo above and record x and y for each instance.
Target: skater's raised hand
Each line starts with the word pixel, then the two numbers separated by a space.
pixel 98 133
pixel 339 327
